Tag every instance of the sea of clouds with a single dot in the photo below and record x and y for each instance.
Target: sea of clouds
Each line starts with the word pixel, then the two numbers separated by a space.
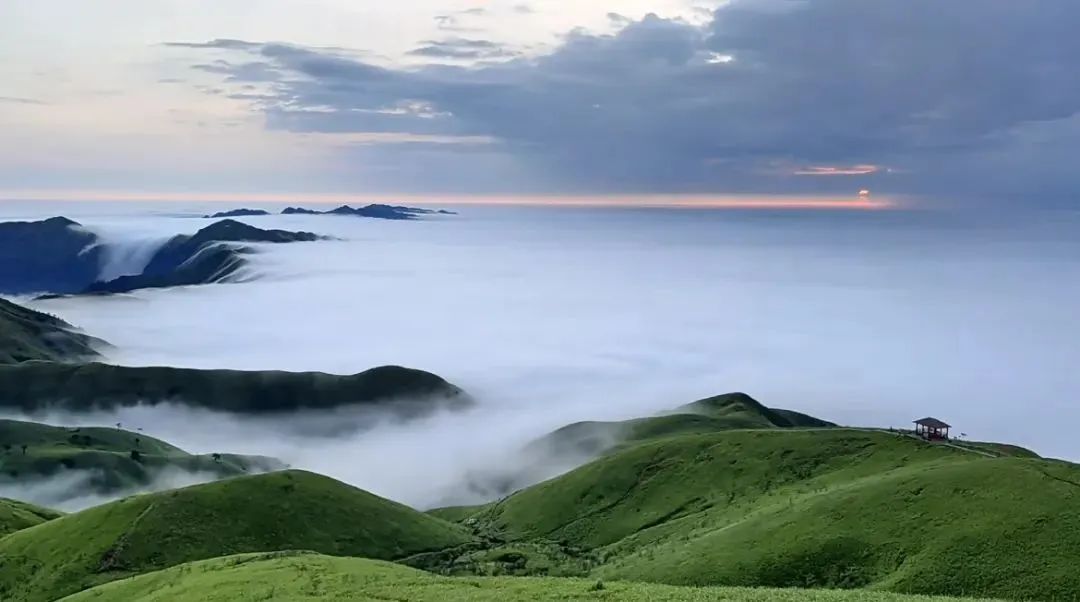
pixel 553 315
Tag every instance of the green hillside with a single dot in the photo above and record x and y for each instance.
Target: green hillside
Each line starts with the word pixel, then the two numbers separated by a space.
pixel 295 577
pixel 719 413
pixel 15 516
pixel 115 459
pixel 277 511
pixel 27 335
pixel 684 506
pixel 810 508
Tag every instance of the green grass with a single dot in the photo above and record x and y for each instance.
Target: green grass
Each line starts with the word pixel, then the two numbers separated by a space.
pixel 16 515
pixel 998 449
pixel 743 411
pixel 27 335
pixel 107 453
pixel 295 577
pixel 685 500
pixel 835 508
pixel 456 514
pixel 277 511
pixel 719 413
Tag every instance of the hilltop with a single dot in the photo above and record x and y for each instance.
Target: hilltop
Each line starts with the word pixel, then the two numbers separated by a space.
pixel 244 212
pixel 377 211
pixel 718 413
pixel 38 386
pixel 576 444
pixel 27 335
pixel 298 576
pixel 277 511
pixel 108 460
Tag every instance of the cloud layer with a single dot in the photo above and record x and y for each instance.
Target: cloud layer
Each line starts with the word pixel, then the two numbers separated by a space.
pixel 550 316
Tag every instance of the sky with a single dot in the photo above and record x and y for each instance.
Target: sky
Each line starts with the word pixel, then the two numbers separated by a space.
pixel 972 101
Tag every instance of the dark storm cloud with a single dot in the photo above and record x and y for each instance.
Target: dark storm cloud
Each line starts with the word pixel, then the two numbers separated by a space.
pixel 768 89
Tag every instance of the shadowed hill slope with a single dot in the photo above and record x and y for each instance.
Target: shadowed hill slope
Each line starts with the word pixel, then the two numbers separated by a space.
pixel 27 335
pixel 58 256
pixel 102 461
pixel 16 515
pixel 202 258
pixel 277 511
pixel 37 386
pixel 298 576
pixel 49 256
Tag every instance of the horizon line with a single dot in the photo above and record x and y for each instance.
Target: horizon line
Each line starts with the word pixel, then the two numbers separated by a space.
pixel 689 201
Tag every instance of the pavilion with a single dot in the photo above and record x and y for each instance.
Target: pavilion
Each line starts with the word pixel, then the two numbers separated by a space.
pixel 932 429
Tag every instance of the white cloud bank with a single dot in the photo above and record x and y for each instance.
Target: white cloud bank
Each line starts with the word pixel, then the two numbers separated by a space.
pixel 549 316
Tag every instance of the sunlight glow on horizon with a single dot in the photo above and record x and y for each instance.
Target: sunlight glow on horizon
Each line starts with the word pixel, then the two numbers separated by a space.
pixel 687 201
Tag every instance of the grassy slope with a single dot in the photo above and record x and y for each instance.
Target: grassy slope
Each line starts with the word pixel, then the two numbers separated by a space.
pixel 29 335
pixel 278 511
pixel 310 577
pixel 719 413
pixel 51 450
pixel 828 507
pixel 15 516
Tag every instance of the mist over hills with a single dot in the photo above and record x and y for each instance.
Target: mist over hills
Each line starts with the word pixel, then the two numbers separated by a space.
pixel 581 468
pixel 78 466
pixel 743 503
pixel 58 256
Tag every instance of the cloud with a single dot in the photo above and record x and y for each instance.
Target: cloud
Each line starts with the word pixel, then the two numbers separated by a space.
pixel 830 170
pixel 667 105
pixel 462 48
pixel 74 490
pixel 456 21
pixel 220 43
pixel 22 101
pixel 242 72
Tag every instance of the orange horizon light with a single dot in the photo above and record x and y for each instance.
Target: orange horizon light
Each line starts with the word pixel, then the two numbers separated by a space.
pixel 689 201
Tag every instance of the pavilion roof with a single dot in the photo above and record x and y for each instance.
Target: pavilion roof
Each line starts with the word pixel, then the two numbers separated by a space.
pixel 933 423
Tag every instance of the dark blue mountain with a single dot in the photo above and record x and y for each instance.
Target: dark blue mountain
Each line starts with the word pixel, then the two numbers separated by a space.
pixel 58 257
pixel 201 258
pixel 55 255
pixel 238 213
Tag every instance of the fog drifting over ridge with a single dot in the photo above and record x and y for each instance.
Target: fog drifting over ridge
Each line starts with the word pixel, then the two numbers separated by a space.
pixel 549 316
